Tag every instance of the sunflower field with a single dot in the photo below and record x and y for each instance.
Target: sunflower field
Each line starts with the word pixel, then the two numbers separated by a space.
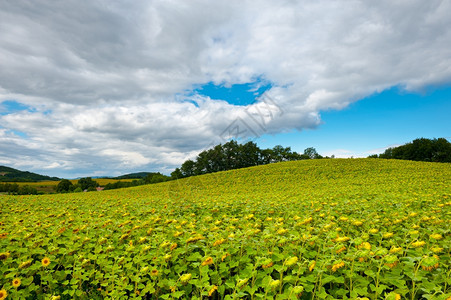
pixel 317 229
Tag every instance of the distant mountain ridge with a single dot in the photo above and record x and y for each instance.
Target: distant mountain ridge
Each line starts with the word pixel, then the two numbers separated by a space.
pixel 8 174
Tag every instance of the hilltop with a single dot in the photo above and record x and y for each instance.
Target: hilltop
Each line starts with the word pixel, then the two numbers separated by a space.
pixel 8 174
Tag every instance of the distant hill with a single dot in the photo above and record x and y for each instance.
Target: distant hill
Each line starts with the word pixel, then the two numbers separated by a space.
pixel 14 175
pixel 137 175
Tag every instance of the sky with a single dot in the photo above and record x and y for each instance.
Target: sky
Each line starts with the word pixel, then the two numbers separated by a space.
pixel 103 88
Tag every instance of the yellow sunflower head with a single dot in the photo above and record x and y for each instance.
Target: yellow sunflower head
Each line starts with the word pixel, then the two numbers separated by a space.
pixel 185 278
pixel 212 290
pixel 45 262
pixel 4 255
pixel 16 282
pixel 207 261
pixel 3 294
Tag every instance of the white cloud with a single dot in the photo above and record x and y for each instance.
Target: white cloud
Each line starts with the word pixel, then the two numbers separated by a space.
pixel 107 80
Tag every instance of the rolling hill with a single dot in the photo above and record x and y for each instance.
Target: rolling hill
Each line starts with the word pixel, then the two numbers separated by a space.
pixel 312 229
pixel 14 175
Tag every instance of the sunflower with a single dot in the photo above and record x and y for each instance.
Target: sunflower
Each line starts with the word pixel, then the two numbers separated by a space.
pixel 45 262
pixel 16 282
pixel 342 239
pixel 341 249
pixel 430 263
pixel 25 264
pixel 241 282
pixel 337 266
pixel 212 290
pixel 312 266
pixel 436 236
pixel 173 246
pixel 365 245
pixel 185 278
pixel 357 223
pixel 388 235
pixel 154 273
pixel 4 255
pixel 391 260
pixel 291 261
pixel 167 257
pixel 219 242
pixel 394 250
pixel 436 249
pixel 207 261
pixel 224 256
pixel 3 294
pixel 268 265
pixel 418 244
pixel 274 283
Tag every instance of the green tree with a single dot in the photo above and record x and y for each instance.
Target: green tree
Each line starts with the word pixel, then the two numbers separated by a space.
pixel 177 174
pixel 311 153
pixel 64 186
pixel 188 168
pixel 422 149
pixel 87 183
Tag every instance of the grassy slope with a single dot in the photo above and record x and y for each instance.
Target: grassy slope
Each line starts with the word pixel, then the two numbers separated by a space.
pixel 374 191
pixel 325 180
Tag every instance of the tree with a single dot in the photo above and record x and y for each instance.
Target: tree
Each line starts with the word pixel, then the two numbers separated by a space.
pixel 154 178
pixel 250 154
pixel 278 153
pixel 232 155
pixel 87 183
pixel 177 174
pixel 188 168
pixel 311 153
pixel 435 150
pixel 64 186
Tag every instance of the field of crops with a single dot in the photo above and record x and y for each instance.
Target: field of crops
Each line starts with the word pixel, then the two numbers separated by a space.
pixel 319 229
pixel 50 186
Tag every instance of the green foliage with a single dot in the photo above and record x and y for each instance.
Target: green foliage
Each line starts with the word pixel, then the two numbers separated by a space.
pixel 87 184
pixel 156 178
pixel 311 153
pixel 64 186
pixel 15 189
pixel 435 150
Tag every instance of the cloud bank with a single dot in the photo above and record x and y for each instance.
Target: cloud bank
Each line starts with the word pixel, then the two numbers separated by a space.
pixel 108 86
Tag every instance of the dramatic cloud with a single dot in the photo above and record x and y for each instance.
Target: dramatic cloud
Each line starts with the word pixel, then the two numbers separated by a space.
pixel 108 86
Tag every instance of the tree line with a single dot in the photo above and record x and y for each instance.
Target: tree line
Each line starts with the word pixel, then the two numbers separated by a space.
pixel 422 149
pixel 232 155
pixel 88 184
pixel 149 179
pixel 15 189
pixel 83 184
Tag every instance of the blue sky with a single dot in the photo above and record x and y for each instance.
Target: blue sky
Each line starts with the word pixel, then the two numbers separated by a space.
pixel 386 119
pixel 153 83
